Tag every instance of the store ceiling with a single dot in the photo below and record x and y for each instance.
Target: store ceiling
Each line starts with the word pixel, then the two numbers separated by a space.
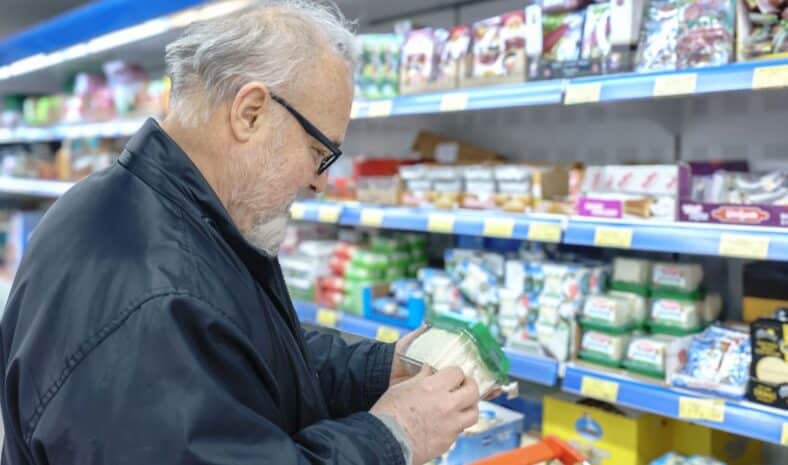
pixel 21 14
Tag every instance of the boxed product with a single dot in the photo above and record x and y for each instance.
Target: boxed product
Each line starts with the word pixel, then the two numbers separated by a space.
pixel 682 34
pixel 498 430
pixel 625 19
pixel 562 37
pixel 377 75
pixel 602 348
pixel 764 289
pixel 457 57
pixel 421 68
pixel 726 193
pixel 697 440
pixel 480 187
pixel 769 370
pixel 624 191
pixel 376 179
pixel 719 362
pixel 656 356
pixel 762 29
pixel 444 150
pixel 498 50
pixel 604 434
pixel 455 341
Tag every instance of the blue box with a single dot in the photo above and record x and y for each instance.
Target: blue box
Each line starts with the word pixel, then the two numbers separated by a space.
pixel 499 430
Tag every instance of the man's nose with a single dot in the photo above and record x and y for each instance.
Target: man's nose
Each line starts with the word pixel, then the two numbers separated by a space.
pixel 320 183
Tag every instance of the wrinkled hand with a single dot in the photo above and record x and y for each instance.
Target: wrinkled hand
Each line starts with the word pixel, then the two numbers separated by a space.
pixel 432 408
pixel 399 371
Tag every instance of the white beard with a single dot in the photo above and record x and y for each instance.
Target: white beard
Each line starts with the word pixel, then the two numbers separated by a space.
pixel 269 233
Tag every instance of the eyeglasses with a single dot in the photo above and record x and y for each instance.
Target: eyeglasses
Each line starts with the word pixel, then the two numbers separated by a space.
pixel 314 132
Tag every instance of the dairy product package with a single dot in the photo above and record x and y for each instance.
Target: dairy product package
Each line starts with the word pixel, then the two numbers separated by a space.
pixel 638 306
pixel 676 317
pixel 608 313
pixel 646 355
pixel 631 270
pixel 604 349
pixel 454 341
pixel 683 277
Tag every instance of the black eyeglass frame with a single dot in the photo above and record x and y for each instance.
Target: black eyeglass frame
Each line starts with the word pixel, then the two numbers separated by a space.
pixel 313 131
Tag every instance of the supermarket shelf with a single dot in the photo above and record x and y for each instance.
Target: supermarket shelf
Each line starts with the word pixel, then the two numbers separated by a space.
pixel 526 367
pixel 308 312
pixel 481 98
pixel 34 187
pixel 114 128
pixel 672 237
pixel 542 227
pixel 728 78
pixel 739 417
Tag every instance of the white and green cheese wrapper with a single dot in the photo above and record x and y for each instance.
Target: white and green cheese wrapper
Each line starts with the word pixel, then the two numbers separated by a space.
pixel 649 351
pixel 608 309
pixel 638 304
pixel 632 270
pixel 607 345
pixel 684 276
pixel 442 349
pixel 712 307
pixel 677 313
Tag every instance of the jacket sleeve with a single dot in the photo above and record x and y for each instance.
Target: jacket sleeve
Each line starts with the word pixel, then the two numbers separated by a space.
pixel 352 376
pixel 179 383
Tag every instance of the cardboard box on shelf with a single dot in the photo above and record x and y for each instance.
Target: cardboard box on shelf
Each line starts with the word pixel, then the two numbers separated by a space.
pixel 609 435
pixel 769 368
pixel 440 149
pixel 498 430
pixel 423 68
pixel 499 54
pixel 702 185
pixel 691 439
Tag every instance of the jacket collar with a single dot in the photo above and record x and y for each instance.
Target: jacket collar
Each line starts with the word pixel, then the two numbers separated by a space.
pixel 154 157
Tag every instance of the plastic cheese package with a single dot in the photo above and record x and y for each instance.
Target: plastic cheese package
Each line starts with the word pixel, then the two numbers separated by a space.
pixel 646 355
pixel 684 277
pixel 718 361
pixel 676 317
pixel 631 270
pixel 602 348
pixel 638 306
pixel 453 341
pixel 607 313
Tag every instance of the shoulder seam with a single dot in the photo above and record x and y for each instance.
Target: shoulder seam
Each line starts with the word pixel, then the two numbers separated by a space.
pixel 92 342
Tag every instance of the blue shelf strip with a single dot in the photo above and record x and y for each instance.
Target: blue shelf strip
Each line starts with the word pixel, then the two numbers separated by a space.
pixel 671 237
pixel 740 417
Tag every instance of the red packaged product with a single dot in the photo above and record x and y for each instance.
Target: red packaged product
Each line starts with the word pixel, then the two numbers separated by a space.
pixel 339 265
pixel 330 299
pixel 331 283
pixel 345 250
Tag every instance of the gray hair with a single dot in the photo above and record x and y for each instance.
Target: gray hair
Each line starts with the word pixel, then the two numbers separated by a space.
pixel 270 43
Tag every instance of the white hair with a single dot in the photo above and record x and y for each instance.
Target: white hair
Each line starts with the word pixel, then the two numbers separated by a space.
pixel 270 43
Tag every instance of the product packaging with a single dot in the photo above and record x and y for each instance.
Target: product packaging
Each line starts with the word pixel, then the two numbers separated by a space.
pixel 719 362
pixel 377 74
pixel 624 191
pixel 421 69
pixel 764 289
pixel 603 349
pixel 769 369
pixel 454 341
pixel 498 430
pixel 726 193
pixel 562 38
pixel 499 50
pixel 761 29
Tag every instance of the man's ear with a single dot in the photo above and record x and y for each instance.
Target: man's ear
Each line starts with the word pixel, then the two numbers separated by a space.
pixel 247 110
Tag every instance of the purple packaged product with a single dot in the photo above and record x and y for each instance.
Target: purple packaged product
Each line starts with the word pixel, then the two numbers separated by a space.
pixel 693 210
pixel 600 208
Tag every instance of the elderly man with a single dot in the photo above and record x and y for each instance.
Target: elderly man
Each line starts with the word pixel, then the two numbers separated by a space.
pixel 149 322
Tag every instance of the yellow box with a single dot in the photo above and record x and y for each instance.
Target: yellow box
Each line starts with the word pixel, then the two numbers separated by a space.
pixel 690 439
pixel 621 437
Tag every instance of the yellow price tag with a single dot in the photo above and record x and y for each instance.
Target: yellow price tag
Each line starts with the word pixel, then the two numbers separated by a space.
pixel 386 334
pixel 770 76
pixel 737 245
pixel 613 237
pixel 455 101
pixel 582 93
pixel 372 217
pixel 692 408
pixel 440 223
pixel 327 317
pixel 329 214
pixel 498 227
pixel 784 436
pixel 599 389
pixel 297 211
pixel 354 110
pixel 675 84
pixel 544 232
pixel 379 108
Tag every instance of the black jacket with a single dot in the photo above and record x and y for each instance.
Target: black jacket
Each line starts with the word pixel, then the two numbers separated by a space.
pixel 143 329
